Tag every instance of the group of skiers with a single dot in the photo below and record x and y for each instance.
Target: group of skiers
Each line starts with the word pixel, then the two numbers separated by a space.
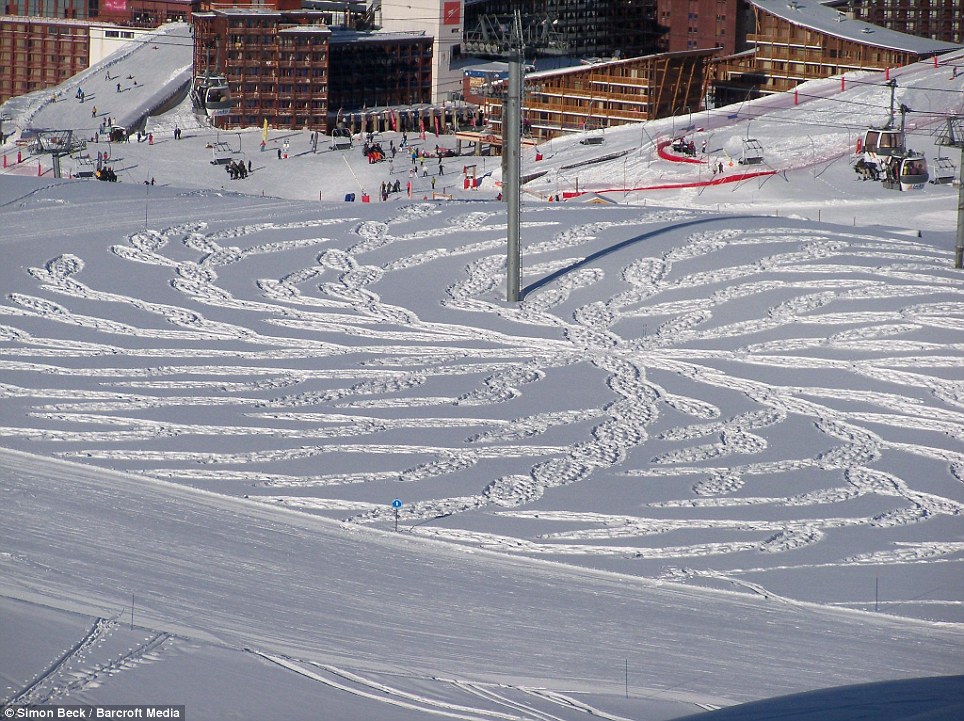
pixel 389 187
pixel 237 170
pixel 373 151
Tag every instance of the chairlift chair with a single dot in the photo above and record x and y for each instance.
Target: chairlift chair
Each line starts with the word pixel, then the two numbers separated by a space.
pixel 341 139
pixel 684 146
pixel 83 166
pixel 220 153
pixel 752 152
pixel 944 171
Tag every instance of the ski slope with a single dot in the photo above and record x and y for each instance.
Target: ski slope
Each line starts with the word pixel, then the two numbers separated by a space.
pixel 714 456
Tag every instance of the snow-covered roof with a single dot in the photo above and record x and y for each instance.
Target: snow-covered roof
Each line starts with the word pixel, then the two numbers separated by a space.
pixel 265 11
pixel 76 22
pixel 487 69
pixel 306 29
pixel 357 36
pixel 816 16
pixel 615 61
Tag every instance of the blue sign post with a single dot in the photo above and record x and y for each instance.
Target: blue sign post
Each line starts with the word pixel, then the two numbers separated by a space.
pixel 396 504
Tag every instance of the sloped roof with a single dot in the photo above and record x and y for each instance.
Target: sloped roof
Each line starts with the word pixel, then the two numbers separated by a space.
pixel 817 16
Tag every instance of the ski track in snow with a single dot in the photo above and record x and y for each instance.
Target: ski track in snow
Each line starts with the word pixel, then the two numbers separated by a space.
pixel 286 369
pixel 483 702
pixel 86 664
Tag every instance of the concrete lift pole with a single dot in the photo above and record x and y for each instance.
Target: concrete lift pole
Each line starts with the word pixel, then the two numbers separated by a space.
pixel 511 177
pixel 959 248
pixel 953 137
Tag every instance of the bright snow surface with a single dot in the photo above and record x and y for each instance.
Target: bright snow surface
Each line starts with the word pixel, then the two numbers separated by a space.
pixel 711 457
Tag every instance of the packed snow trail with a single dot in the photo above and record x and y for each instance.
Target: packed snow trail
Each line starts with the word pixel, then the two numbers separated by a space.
pixel 223 569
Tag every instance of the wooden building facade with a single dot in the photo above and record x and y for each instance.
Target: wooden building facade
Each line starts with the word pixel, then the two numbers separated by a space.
pixel 608 94
pixel 789 53
pixel 793 42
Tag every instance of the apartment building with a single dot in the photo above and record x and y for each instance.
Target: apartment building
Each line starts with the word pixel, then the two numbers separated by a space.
pixel 289 68
pixel 792 41
pixel 936 19
pixel 609 93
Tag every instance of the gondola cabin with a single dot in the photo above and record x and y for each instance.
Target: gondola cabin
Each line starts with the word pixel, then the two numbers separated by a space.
pixel 908 172
pixel 212 95
pixel 883 142
pixel 912 172
pixel 217 100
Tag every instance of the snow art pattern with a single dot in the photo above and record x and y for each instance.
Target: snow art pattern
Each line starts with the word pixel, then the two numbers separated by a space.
pixel 719 393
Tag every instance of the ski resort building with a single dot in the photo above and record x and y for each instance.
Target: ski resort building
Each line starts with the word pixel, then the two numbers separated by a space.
pixel 42 52
pixel 607 94
pixel 792 41
pixel 441 20
pixel 937 19
pixel 702 24
pixel 289 67
pixel 596 28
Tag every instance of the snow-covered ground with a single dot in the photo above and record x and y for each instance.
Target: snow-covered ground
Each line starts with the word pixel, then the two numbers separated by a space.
pixel 714 456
